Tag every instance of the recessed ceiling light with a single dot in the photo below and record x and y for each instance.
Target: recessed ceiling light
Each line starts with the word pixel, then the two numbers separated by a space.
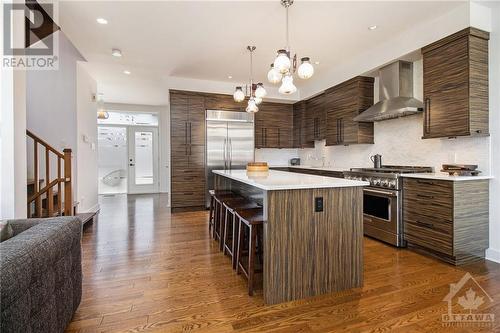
pixel 316 62
pixel 101 20
pixel 116 53
pixel 372 27
pixel 126 72
pixel 229 77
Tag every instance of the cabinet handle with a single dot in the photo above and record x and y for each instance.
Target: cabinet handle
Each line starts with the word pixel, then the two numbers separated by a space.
pixel 341 130
pixel 190 135
pixel 425 224
pixel 185 132
pixel 265 137
pixel 279 138
pixel 337 131
pixel 425 182
pixel 427 115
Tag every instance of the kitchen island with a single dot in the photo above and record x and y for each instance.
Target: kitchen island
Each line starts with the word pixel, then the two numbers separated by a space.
pixel 313 230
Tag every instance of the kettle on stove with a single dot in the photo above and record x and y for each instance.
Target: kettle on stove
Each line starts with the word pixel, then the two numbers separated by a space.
pixel 377 160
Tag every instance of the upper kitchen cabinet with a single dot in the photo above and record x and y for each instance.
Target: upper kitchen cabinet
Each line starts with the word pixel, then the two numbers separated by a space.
pixel 300 126
pixel 456 85
pixel 343 103
pixel 274 126
pixel 315 118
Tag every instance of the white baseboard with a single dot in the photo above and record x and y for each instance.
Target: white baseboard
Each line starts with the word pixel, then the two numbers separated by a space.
pixel 93 209
pixel 493 255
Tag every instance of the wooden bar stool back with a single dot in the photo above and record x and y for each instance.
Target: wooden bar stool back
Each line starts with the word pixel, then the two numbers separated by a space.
pixel 231 227
pixel 251 220
pixel 219 212
pixel 211 218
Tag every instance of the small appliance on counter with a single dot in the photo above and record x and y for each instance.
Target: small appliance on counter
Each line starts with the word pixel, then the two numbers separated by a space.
pixel 295 161
pixel 461 169
pixel 377 161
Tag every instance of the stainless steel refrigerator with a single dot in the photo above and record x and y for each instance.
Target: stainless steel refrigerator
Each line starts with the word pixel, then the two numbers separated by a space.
pixel 230 143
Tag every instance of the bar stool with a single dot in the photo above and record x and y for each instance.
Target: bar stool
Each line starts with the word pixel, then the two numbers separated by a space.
pixel 211 218
pixel 253 220
pixel 227 201
pixel 231 227
pixel 218 213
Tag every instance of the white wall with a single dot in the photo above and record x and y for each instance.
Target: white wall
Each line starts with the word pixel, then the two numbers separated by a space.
pixel 86 141
pixel 275 157
pixel 13 195
pixel 51 107
pixel 494 252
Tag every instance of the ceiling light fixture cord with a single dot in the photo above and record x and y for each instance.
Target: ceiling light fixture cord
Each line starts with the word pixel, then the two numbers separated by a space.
pixel 287 34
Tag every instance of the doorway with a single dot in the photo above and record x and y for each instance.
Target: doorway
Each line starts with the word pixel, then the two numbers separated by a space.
pixel 128 154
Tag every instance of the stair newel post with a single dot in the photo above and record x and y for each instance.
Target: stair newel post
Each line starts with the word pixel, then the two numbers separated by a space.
pixel 59 187
pixel 50 193
pixel 68 195
pixel 36 185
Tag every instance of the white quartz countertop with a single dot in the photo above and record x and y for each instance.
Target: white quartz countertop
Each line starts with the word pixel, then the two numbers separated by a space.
pixel 444 176
pixel 282 180
pixel 326 168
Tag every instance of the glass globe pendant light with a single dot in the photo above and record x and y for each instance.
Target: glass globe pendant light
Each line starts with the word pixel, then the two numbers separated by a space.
pixel 274 76
pixel 287 87
pixel 239 95
pixel 260 92
pixel 282 62
pixel 306 70
pixel 252 105
pixel 285 65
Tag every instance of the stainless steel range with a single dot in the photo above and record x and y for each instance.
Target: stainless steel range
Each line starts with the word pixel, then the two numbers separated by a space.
pixel 382 200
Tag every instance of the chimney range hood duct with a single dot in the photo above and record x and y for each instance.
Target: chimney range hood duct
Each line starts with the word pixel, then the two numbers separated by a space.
pixel 395 94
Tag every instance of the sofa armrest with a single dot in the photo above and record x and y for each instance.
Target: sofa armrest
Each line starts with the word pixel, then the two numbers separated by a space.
pixel 29 255
pixel 21 225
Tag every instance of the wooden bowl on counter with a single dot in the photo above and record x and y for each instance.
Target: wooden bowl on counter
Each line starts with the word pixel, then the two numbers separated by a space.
pixel 257 167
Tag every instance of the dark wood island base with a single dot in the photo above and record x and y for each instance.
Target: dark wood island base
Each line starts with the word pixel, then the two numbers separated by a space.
pixel 313 238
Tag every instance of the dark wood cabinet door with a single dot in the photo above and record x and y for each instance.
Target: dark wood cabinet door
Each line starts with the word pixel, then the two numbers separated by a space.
pixel 315 118
pixel 456 85
pixel 271 137
pixel 196 156
pixel 446 90
pixel 285 139
pixel 196 123
pixel 260 132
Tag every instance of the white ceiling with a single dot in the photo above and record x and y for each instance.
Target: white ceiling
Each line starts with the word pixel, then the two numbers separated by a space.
pixel 207 39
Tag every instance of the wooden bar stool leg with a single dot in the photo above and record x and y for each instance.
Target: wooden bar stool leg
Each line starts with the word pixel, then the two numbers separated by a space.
pixel 227 231
pixel 211 215
pixel 216 212
pixel 223 229
pixel 251 258
pixel 235 241
pixel 240 245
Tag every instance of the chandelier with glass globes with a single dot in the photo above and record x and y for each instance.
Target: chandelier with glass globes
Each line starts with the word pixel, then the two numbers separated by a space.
pixel 255 91
pixel 284 66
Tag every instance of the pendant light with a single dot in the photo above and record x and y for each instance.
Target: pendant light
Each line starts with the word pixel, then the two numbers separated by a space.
pixel 284 66
pixel 256 92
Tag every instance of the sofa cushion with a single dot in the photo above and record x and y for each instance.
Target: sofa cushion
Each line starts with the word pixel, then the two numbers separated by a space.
pixel 6 230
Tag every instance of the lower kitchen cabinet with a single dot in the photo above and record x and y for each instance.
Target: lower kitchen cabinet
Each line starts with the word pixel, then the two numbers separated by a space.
pixel 447 219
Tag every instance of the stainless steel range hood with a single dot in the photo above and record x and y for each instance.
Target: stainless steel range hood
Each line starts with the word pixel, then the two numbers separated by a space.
pixel 395 94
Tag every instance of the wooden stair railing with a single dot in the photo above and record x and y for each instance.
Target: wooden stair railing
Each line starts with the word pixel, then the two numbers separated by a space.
pixel 50 185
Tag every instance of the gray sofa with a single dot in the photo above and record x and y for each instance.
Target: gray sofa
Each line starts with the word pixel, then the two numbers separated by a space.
pixel 40 275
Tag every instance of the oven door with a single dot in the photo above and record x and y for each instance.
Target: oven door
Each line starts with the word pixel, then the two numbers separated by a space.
pixel 381 215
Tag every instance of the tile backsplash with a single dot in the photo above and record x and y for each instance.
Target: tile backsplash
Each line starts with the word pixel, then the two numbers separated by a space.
pixel 400 142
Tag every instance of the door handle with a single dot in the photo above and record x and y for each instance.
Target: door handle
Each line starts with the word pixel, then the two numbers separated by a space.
pixel 279 138
pixel 185 133
pixel 190 137
pixel 427 115
pixel 224 153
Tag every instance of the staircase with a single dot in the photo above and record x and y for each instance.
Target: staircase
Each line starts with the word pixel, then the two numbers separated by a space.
pixel 52 195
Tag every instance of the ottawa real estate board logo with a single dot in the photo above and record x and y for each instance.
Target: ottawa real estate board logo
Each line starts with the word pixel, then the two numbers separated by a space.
pixel 468 305
pixel 30 41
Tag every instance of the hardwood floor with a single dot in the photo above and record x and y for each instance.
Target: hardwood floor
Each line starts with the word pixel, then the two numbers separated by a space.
pixel 147 270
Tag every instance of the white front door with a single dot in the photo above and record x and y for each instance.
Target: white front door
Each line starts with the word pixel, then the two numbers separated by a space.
pixel 143 159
